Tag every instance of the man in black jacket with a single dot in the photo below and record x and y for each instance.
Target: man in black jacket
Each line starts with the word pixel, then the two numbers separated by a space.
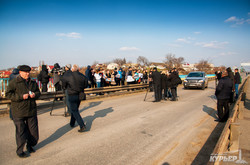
pixel 75 82
pixel 23 92
pixel 223 91
pixel 174 79
pixel 237 81
pixel 156 76
pixel 43 77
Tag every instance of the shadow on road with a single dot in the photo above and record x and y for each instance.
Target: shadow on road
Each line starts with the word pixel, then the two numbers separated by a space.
pixel 247 104
pixel 101 113
pixel 203 156
pixel 66 128
pixel 210 111
pixel 91 104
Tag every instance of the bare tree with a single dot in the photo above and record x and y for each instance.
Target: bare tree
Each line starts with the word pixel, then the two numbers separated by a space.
pixel 173 62
pixel 203 65
pixel 120 61
pixel 143 61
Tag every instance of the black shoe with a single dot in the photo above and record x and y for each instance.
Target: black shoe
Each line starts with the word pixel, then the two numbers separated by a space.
pixel 30 149
pixel 221 121
pixel 22 155
pixel 82 129
pixel 156 101
pixel 72 126
pixel 66 114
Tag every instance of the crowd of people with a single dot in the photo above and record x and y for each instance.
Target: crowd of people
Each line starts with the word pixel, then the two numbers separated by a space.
pixel 24 91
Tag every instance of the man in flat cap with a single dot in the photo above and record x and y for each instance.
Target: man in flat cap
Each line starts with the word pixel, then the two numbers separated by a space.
pixel 23 92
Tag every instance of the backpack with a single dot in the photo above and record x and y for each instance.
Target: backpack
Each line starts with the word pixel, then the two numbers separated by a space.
pixel 179 81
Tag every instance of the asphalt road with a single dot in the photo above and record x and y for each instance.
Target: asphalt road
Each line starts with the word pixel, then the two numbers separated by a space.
pixel 122 130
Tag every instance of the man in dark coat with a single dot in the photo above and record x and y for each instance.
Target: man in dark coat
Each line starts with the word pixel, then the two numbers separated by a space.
pixel 75 82
pixel 237 82
pixel 156 76
pixel 23 93
pixel 230 75
pixel 43 77
pixel 13 75
pixel 174 79
pixel 88 74
pixel 223 91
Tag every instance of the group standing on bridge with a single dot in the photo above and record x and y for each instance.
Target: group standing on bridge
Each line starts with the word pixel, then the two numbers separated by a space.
pixel 165 84
pixel 23 93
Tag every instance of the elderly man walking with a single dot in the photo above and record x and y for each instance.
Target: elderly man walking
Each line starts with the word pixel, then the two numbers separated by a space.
pixel 23 92
pixel 75 82
pixel 223 92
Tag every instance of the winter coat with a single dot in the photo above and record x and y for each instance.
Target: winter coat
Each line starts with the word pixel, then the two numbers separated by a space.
pixel 43 77
pixel 14 74
pixel 174 78
pixel 164 81
pixel 156 76
pixel 88 73
pixel 224 88
pixel 15 91
pixel 74 82
pixel 237 78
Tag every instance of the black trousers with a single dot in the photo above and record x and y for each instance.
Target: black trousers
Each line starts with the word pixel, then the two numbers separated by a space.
pixel 158 92
pixel 26 132
pixel 174 92
pixel 74 104
pixel 44 87
pixel 223 109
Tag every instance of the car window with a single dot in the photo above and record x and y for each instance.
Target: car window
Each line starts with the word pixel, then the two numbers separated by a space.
pixel 195 75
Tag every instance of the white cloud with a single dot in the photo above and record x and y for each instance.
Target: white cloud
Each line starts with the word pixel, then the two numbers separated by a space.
pixel 212 44
pixel 69 35
pixel 228 53
pixel 183 40
pixel 237 21
pixel 129 49
pixel 197 32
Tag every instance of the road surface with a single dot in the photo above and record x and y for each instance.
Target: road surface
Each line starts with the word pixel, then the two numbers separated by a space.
pixel 122 130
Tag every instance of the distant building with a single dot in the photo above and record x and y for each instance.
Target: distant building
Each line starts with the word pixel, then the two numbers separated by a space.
pixel 5 73
pixel 112 66
pixel 160 66
pixel 192 67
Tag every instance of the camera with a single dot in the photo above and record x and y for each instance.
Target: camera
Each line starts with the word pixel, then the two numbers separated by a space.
pixel 61 71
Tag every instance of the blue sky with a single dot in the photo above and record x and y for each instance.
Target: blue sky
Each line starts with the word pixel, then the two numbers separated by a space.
pixel 81 32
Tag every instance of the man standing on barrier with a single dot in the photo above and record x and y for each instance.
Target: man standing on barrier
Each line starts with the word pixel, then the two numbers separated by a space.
pixel 223 92
pixel 156 76
pixel 23 92
pixel 75 82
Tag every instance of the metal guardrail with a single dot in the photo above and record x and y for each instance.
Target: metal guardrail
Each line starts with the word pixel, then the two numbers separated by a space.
pixel 228 140
pixel 50 95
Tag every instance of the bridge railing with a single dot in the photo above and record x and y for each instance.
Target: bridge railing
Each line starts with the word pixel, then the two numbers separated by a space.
pixel 52 93
pixel 229 139
pixel 49 95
